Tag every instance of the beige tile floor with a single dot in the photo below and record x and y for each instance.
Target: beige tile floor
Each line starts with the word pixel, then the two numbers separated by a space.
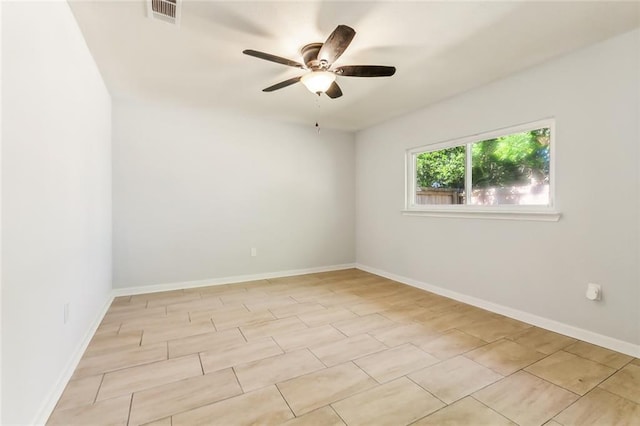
pixel 336 348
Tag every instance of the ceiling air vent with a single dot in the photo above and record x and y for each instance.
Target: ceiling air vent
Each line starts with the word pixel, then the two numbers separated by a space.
pixel 164 10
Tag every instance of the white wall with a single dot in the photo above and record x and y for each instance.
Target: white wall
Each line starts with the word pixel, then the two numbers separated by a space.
pixel 56 206
pixel 1 213
pixel 195 189
pixel 540 268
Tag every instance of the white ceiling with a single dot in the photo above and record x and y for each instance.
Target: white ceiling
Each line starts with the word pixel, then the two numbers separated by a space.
pixel 440 48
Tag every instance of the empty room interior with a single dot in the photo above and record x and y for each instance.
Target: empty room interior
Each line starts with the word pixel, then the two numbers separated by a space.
pixel 320 213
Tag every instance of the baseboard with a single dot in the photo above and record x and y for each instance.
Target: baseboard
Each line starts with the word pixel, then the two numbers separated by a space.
pixel 128 291
pixel 546 323
pixel 55 394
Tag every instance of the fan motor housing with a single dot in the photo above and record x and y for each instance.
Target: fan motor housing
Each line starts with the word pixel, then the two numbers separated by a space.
pixel 310 55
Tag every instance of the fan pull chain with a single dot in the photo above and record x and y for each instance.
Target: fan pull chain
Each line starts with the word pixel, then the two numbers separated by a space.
pixel 318 113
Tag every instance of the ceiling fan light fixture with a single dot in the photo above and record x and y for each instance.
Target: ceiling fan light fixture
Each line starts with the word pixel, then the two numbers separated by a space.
pixel 318 81
pixel 320 76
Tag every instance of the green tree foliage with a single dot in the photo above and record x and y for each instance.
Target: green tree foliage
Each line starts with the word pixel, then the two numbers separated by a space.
pixel 508 160
pixel 511 160
pixel 443 168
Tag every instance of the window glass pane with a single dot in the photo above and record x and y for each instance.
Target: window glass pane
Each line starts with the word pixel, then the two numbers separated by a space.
pixel 512 169
pixel 440 176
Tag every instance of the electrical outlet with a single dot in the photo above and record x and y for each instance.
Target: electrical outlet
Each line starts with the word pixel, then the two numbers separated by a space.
pixel 254 252
pixel 594 291
pixel 66 312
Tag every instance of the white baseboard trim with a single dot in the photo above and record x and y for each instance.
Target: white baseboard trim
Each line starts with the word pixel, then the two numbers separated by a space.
pixel 55 394
pixel 548 324
pixel 154 288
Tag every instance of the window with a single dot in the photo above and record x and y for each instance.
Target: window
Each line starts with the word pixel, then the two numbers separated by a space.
pixel 505 171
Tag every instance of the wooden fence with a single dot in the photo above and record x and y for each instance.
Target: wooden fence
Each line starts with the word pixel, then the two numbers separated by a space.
pixel 439 196
pixel 515 195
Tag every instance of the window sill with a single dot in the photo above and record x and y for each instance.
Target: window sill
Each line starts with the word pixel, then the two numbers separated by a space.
pixel 531 215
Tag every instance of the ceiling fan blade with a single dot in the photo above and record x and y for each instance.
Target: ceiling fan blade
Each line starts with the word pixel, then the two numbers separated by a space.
pixel 336 44
pixel 273 58
pixel 282 84
pixel 365 71
pixel 334 91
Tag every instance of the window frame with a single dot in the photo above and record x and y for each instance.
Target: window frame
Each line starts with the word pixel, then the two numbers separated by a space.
pixel 504 211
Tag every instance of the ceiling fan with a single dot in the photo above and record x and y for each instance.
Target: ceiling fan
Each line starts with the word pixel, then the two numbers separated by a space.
pixel 318 59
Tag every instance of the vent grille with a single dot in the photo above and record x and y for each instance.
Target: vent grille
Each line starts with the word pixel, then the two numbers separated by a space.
pixel 164 10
